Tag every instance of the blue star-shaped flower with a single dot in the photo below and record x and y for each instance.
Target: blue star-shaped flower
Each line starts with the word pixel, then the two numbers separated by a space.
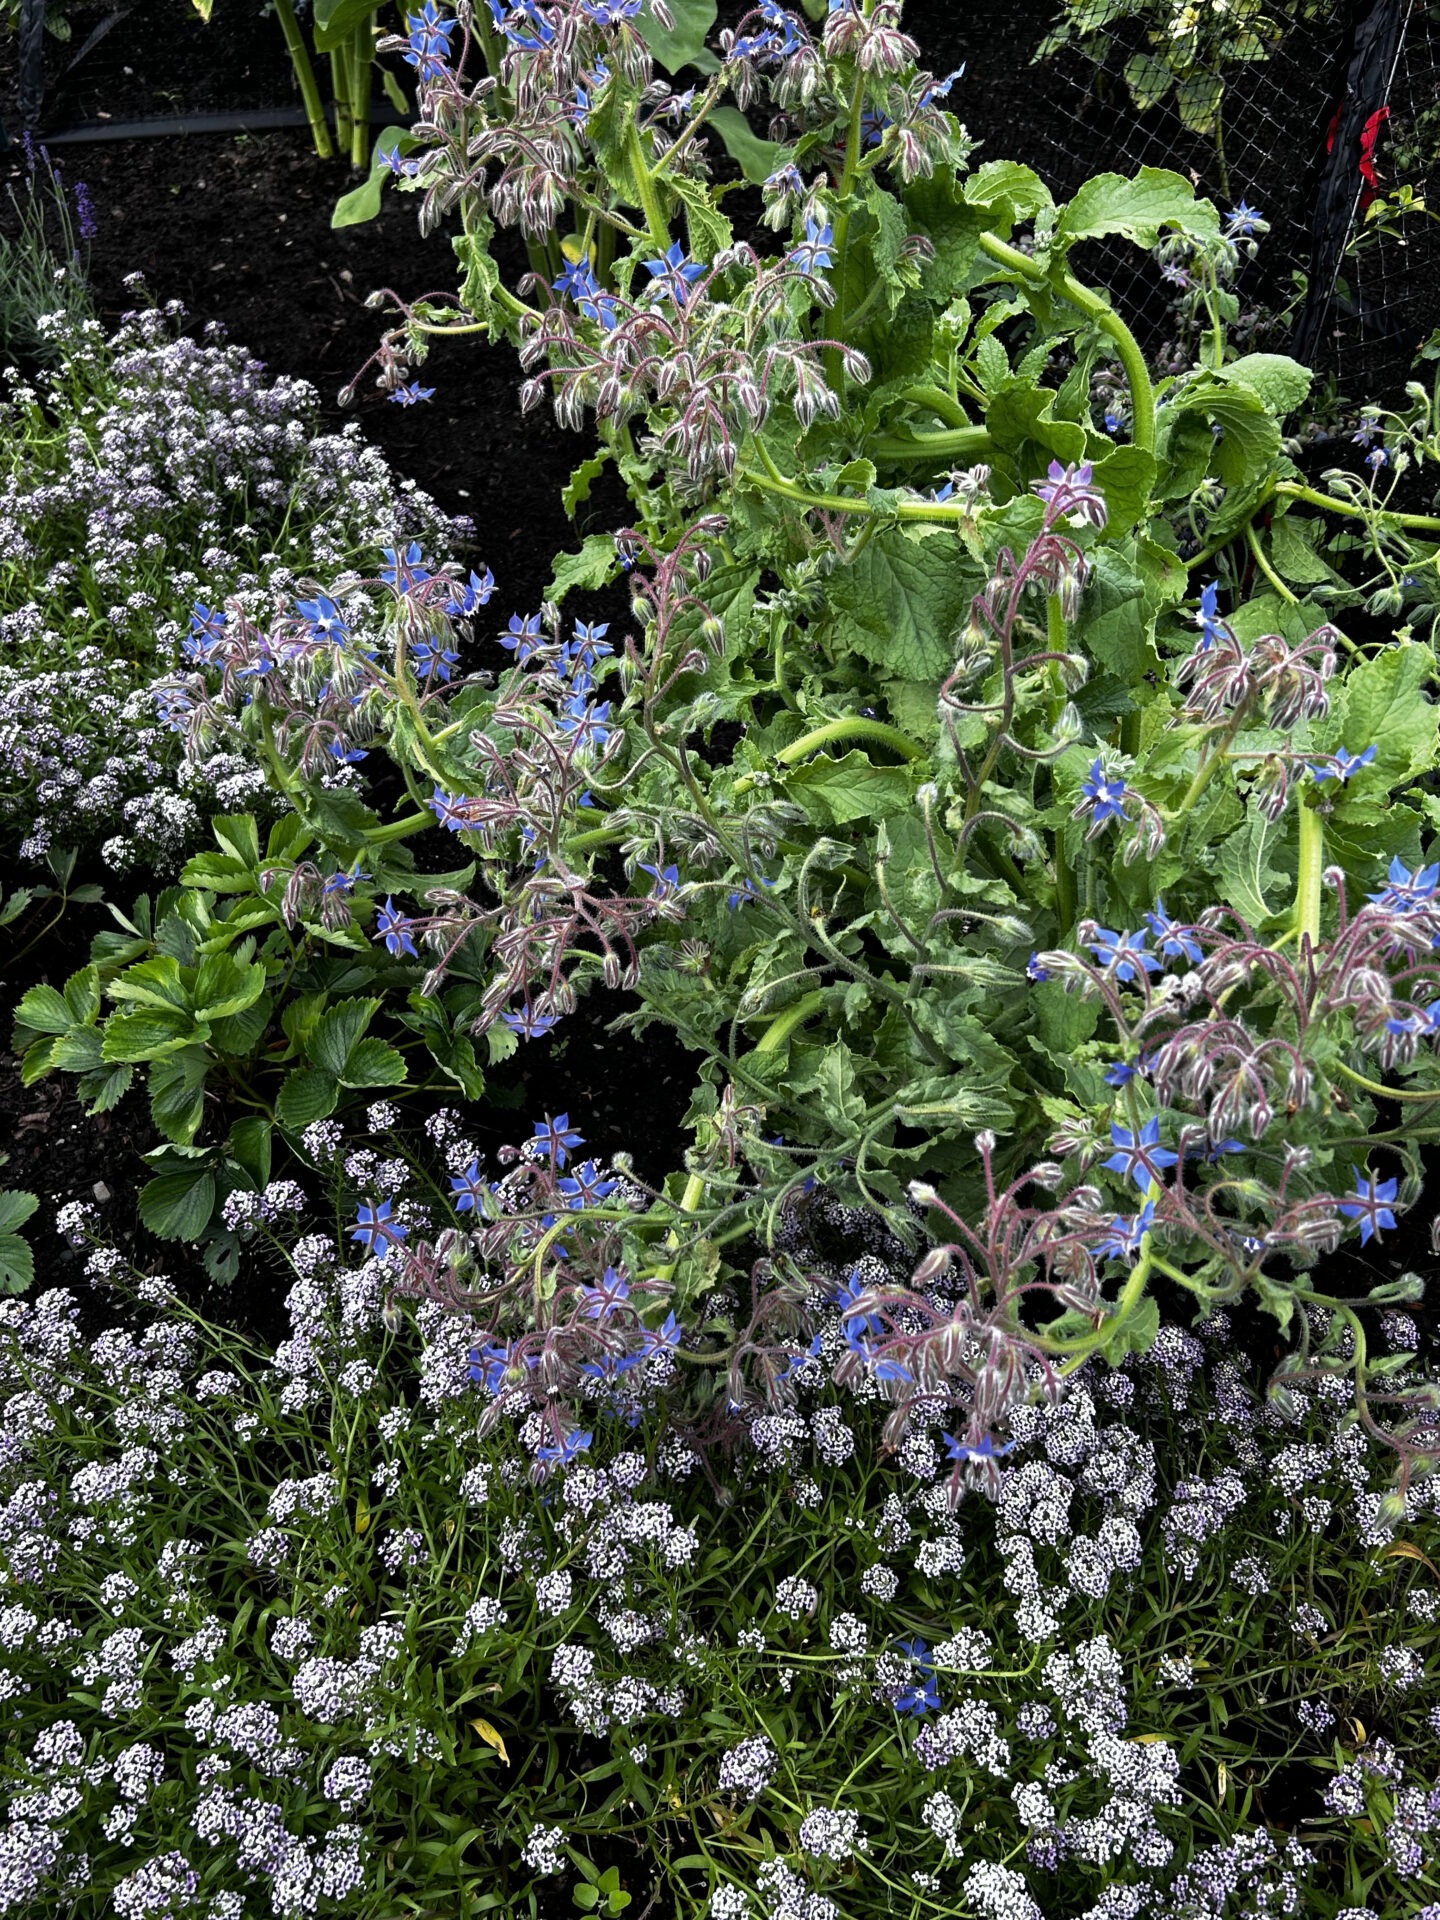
pixel 1140 1156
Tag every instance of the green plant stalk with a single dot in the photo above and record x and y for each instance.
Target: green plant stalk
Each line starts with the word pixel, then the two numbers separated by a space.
pixel 650 203
pixel 340 87
pixel 305 75
pixel 951 444
pixel 1099 311
pixel 1386 1093
pixel 1312 866
pixel 784 1024
pixel 849 728
pixel 1416 522
pixel 362 73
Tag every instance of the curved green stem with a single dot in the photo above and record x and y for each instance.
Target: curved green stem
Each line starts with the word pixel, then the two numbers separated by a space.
pixel 939 402
pixel 1385 1093
pixel 1100 313
pixel 851 727
pixel 1312 866
pixel 1252 540
pixel 1417 522
pixel 784 1024
pixel 952 444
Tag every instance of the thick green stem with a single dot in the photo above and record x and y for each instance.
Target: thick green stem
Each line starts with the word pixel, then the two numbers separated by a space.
pixel 1098 310
pixel 362 71
pixel 933 512
pixel 951 445
pixel 1312 865
pixel 851 727
pixel 650 204
pixel 941 403
pixel 784 1024
pixel 305 76
pixel 340 87
pixel 1374 1086
pixel 1417 522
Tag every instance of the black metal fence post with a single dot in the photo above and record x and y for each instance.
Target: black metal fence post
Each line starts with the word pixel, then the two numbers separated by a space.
pixel 32 61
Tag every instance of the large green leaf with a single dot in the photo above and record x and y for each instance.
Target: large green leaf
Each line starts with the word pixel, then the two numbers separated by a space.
pixel 836 792
pixel 177 1094
pixel 15 1209
pixel 225 985
pixel 901 601
pixel 1383 704
pixel 1139 209
pixel 153 983
pixel 147 1034
pixel 1011 191
pixel 592 568
pixel 308 1094
pixel 45 1010
pixel 336 20
pixel 373 1063
pixel 757 159
pixel 1249 879
pixel 178 1206
pixel 1278 382
pixel 682 43
pixel 329 1046
pixel 238 834
pixel 1114 626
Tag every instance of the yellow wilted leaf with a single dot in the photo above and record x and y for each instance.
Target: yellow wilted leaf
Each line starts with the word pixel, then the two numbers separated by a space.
pixel 491 1738
pixel 362 1515
pixel 1222 1780
pixel 1407 1550
pixel 573 249
pixel 1357 1727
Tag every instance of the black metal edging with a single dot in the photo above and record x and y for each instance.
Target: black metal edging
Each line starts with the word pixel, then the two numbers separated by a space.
pixel 258 120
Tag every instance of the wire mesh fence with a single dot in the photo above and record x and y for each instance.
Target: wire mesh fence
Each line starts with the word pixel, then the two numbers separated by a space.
pixel 1335 136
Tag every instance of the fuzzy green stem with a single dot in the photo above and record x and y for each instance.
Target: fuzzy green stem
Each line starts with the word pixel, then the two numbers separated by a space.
pixel 340 87
pixel 951 445
pixel 305 76
pixel 1312 866
pixel 650 204
pixel 1098 310
pixel 1374 1086
pixel 851 727
pixel 1416 522
pixel 784 1024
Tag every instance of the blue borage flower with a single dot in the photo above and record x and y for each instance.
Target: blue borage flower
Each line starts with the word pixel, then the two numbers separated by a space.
pixel 585 723
pixel 587 1186
pixel 673 276
pixel 743 895
pixel 610 13
pixel 469 1189
pixel 1242 221
pixel 1035 973
pixel 608 1297
pixel 922 1694
pixel 1343 765
pixel 1213 630
pixel 324 619
pixel 378 1232
pixel 667 880
pixel 556 1136
pixel 522 636
pixel 412 395
pixel 490 1364
pixel 523 25
pixel 528 1024
pixel 1123 1241
pixel 1372 1205
pixel 471 593
pixel 405 571
pixel 395 929
pixel 347 755
pixel 1408 892
pixel 565 1452
pixel 578 282
pixel 432 660
pixel 1102 797
pixel 1124 954
pixel 1139 1156
pixel 965 1452
pixel 1173 939
pixel 429 42
pixel 339 885
pixel 813 254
